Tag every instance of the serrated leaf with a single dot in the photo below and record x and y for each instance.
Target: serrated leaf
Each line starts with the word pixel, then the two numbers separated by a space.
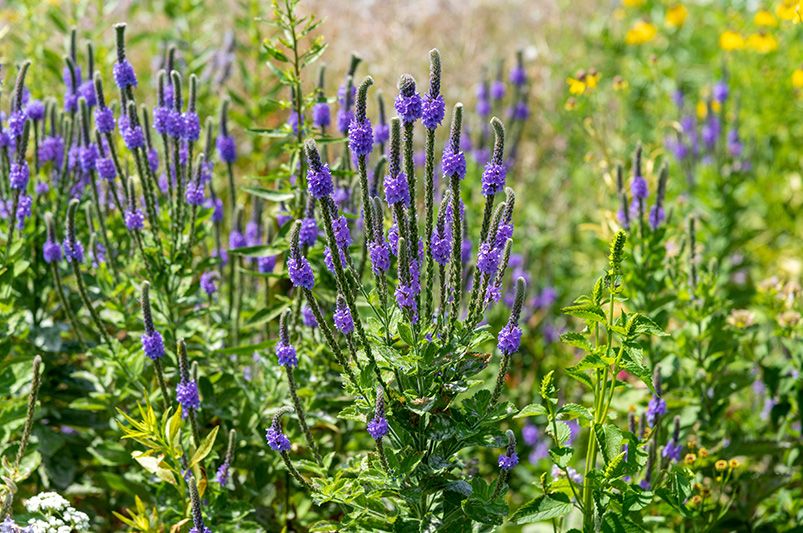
pixel 573 410
pixel 573 338
pixel 590 312
pixel 534 409
pixel 544 507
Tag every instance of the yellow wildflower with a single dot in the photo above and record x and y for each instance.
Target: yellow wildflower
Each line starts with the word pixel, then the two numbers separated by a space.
pixel 731 40
pixel 721 465
pixel 571 104
pixel 695 500
pixel 791 10
pixel 734 464
pixel 619 83
pixel 641 32
pixel 633 3
pixel 676 15
pixel 702 110
pixel 690 458
pixel 592 78
pixel 703 452
pixel 716 107
pixel 764 18
pixel 797 78
pixel 576 86
pixel 762 43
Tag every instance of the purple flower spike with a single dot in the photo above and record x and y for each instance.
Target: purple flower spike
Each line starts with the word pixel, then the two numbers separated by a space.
pixel 453 163
pixel 276 439
pixel 321 115
pixel 342 317
pixel 361 137
pixel 509 338
pixel 153 345
pixel 493 178
pixel 380 257
pixel 433 111
pixel 408 103
pixel 319 181
pixel 134 137
pixel 507 462
pixel 381 133
pixel 51 251
pixel 396 189
pixel 286 354
pixel 378 427
pixel 124 75
pixel 300 272
pixel 19 174
pixel 222 474
pixel 73 253
pixel 209 282
pixel 134 220
pixel 488 258
pixel 187 395
pixel 308 317
pixel 639 188
pixel 226 148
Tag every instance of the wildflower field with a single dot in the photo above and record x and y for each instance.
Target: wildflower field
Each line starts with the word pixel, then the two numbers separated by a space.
pixel 455 265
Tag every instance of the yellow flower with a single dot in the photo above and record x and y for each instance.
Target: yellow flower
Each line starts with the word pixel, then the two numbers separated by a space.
pixel 633 3
pixel 619 83
pixel 570 104
pixel 734 464
pixel 576 86
pixel 764 18
pixel 721 465
pixel 641 32
pixel 762 43
pixel 797 78
pixel 741 318
pixel 703 452
pixel 676 15
pixel 702 110
pixel 695 500
pixel 690 458
pixel 716 107
pixel 592 78
pixel 731 40
pixel 791 10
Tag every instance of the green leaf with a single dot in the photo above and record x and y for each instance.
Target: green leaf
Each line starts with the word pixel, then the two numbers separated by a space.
pixel 261 250
pixel 406 334
pixel 544 507
pixel 632 361
pixel 205 447
pixel 534 409
pixel 274 52
pixel 573 338
pixel 642 325
pixel 573 410
pixel 561 456
pixel 589 312
pixel 269 194
pixel 484 511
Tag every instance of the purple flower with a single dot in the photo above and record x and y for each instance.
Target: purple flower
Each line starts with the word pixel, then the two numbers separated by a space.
pixel 453 163
pixel 574 430
pixel 104 120
pixel 187 395
pixel 87 90
pixel 493 178
pixel 503 233
pixel 341 230
pixel 408 103
pixel 638 187
pixel 361 137
pixel 405 297
pixel 344 118
pixel 300 272
pixel 124 75
pixel 319 182
pixel 509 338
pixel 51 149
pixel 75 253
pixel 134 220
pixel 308 317
pixel 23 209
pixel 672 450
pixel 87 156
pixel 153 160
pixel 16 124
pixel 441 246
pixel 498 89
pixel 488 258
pixel 308 233
pixel 286 353
pixel 396 189
pixel 208 282
pixel 520 111
pixel 380 257
pixel 237 239
pixel 342 317
pixel 153 344
pixel 195 194
pixel 222 475
pixel 226 148
pixel 735 147
pixel 105 168
pixel 162 117
pixel 293 121
pixel 483 107
pixel 266 264
pixel 656 216
pixel 327 258
pixel 217 212
pixel 518 76
pixel 35 110
pixel 321 115
pixel 529 434
pixel 134 137
pixel 378 427
pixel 381 133
pixel 507 462
pixel 276 439
pixel 19 174
pixel 655 409
pixel 433 111
pixel 720 91
pixel 51 251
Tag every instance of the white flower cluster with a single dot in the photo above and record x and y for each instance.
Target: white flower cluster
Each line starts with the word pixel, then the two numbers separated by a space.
pixel 58 516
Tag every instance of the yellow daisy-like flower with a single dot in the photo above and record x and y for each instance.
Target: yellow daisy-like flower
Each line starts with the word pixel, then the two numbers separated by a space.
pixel 676 15
pixel 640 33
pixel 570 105
pixel 721 465
pixel 734 464
pixel 690 459
pixel 765 18
pixel 731 40
pixel 762 43
pixel 797 78
pixel 633 3
pixel 576 86
pixel 790 10
pixel 592 78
